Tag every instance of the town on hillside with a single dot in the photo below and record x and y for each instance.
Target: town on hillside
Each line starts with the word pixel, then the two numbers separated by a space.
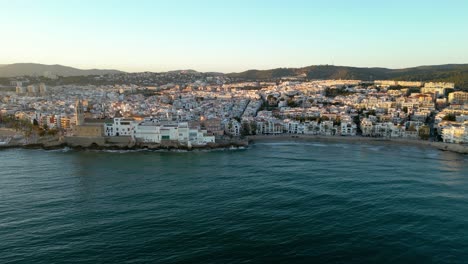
pixel 195 110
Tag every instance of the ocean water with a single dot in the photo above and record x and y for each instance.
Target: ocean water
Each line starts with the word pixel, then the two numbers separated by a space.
pixel 271 203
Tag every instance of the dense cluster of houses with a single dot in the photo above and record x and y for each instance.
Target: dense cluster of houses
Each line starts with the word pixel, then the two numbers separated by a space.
pixel 200 112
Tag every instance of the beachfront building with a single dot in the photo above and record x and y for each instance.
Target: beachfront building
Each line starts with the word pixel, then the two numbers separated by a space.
pixel 148 131
pixel 233 128
pixel 348 128
pixel 119 127
pixel 327 128
pixel 383 129
pixel 293 127
pixel 269 127
pixel 152 131
pixel 311 128
pixel 455 133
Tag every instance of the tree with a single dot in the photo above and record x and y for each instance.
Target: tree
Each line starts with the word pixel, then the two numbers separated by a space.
pixel 371 112
pixel 245 129
pixel 292 103
pixel 52 132
pixel 253 128
pixel 411 128
pixel 424 132
pixel 337 122
pixel 449 117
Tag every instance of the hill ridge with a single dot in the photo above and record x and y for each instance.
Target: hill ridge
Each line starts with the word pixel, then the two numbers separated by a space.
pixel 37 69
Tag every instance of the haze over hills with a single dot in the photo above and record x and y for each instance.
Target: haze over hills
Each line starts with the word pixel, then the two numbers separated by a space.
pixel 457 73
pixel 35 69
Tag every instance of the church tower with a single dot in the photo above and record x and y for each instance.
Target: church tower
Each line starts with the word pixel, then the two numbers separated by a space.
pixel 79 113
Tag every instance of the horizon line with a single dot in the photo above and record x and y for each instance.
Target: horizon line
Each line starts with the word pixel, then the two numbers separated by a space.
pixel 223 72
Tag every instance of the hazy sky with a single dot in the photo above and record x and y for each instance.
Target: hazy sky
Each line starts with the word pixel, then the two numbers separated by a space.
pixel 233 35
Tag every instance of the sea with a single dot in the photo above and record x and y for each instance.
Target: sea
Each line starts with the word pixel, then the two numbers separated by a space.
pixel 278 202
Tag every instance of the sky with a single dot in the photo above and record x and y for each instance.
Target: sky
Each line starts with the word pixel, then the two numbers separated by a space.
pixel 233 36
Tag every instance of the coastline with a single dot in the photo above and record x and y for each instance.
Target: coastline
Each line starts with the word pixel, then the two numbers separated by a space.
pixel 239 143
pixel 461 149
pixel 54 145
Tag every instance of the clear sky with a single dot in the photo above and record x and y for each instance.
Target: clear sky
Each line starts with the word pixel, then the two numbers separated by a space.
pixel 227 36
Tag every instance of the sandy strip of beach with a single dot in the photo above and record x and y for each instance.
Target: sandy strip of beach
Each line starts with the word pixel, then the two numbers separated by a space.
pixel 463 149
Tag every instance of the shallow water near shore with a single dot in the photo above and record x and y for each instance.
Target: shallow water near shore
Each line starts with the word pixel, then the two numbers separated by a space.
pixel 292 202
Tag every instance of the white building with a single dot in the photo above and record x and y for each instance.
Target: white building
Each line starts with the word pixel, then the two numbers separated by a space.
pixel 348 128
pixel 120 127
pixel 455 134
pixel 292 127
pixel 269 127
pixel 233 128
pixel 151 131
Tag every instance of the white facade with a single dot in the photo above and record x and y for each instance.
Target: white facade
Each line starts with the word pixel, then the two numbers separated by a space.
pixel 327 128
pixel 269 127
pixel 455 134
pixel 234 128
pixel 120 127
pixel 348 129
pixel 154 132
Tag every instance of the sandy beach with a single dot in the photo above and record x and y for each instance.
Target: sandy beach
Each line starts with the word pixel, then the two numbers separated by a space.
pixel 463 149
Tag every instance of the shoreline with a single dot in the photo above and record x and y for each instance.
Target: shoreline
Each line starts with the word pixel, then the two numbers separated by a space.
pixel 127 147
pixel 457 148
pixel 238 143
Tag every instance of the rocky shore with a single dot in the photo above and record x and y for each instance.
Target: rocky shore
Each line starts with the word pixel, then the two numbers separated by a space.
pixel 60 144
pixel 56 143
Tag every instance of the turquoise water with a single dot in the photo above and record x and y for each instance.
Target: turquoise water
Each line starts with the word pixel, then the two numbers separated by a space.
pixel 272 203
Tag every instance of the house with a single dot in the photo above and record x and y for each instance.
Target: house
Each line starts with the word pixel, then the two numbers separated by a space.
pixel 348 128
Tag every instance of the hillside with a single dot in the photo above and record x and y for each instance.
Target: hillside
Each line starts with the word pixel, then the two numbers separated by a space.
pixel 457 73
pixel 34 69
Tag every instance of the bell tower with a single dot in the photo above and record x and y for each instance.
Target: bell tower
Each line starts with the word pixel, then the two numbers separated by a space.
pixel 79 113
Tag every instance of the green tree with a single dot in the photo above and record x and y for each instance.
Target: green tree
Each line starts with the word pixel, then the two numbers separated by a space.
pixel 424 132
pixel 253 128
pixel 449 117
pixel 245 131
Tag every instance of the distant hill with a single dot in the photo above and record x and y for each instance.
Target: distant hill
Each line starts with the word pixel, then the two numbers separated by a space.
pixel 189 71
pixel 34 69
pixel 457 73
